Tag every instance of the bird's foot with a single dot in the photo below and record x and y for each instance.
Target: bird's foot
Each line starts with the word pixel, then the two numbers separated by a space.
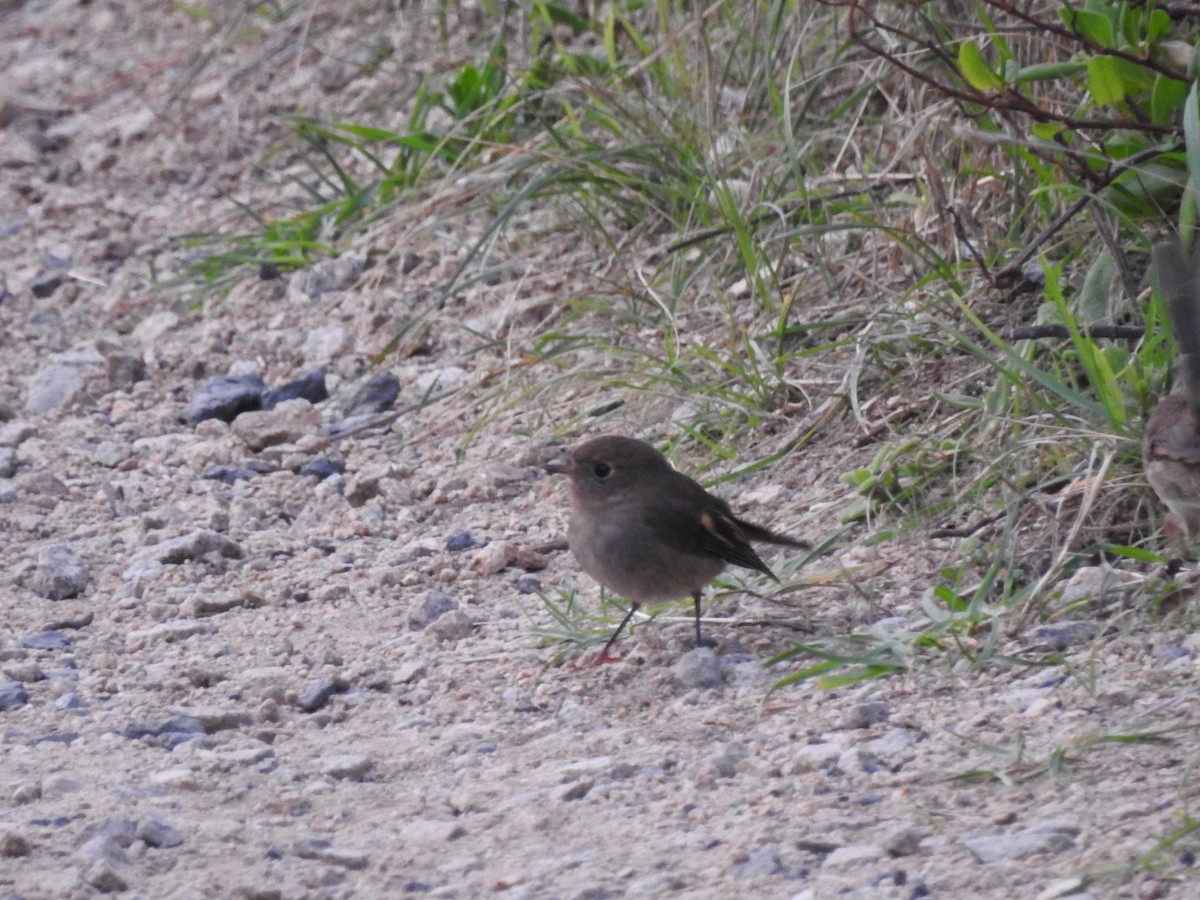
pixel 603 658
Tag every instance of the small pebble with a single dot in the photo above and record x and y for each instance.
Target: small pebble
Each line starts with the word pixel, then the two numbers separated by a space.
pixel 317 695
pixel 460 540
pixel 47 640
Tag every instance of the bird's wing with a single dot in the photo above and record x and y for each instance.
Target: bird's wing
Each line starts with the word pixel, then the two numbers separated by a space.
pixel 693 521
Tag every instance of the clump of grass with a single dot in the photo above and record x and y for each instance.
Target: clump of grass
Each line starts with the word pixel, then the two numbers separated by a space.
pixel 774 232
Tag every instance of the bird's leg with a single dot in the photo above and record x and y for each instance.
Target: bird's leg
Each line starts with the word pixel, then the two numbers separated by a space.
pixel 604 656
pixel 700 641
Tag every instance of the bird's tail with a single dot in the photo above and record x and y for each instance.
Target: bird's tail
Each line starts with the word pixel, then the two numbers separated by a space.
pixel 1178 274
pixel 765 536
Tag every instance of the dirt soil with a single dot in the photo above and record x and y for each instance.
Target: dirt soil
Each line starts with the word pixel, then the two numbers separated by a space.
pixel 291 687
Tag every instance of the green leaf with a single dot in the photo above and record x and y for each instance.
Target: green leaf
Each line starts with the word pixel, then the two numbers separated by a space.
pixel 562 16
pixel 1049 71
pixel 951 599
pixel 1095 297
pixel 975 69
pixel 1158 27
pixel 830 682
pixel 1167 97
pixel 366 132
pixel 1047 131
pixel 1190 210
pixel 1105 83
pixel 1147 190
pixel 1137 554
pixel 1094 26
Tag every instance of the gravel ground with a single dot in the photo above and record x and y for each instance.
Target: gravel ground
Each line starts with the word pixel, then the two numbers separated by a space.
pixel 223 674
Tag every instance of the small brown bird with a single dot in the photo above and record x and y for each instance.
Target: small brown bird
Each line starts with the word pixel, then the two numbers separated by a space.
pixel 1171 446
pixel 648 532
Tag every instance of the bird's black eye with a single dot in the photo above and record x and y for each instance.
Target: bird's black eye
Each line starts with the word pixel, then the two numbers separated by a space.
pixel 602 470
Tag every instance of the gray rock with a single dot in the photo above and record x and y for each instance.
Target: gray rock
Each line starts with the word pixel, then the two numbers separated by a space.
pixel 411 671
pixel 200 605
pixel 169 632
pixel 45 283
pixel 327 276
pixel 230 474
pixel 323 343
pixel 12 695
pixel 1048 838
pixel 26 671
pixel 175 551
pixel 450 378
pixel 904 841
pixel 581 768
pixel 168 733
pixel 104 864
pixel 285 424
pixel 808 757
pixel 246 756
pixel 576 791
pixel 698 668
pixel 121 830
pixel 347 767
pixel 224 397
pixel 27 792
pixel 52 387
pixel 889 625
pixel 762 862
pixel 124 365
pixel 215 718
pixel 431 607
pixel 70 700
pixel 16 432
pixel 323 467
pixel 364 486
pixel 323 850
pixel 460 540
pixel 1061 635
pixel 724 763
pixel 872 712
pixel 1094 584
pixel 1071 886
pixel 19 150
pixel 317 695
pixel 150 329
pixel 51 639
pixel 852 856
pixel 410 261
pixel 453 626
pixel 60 784
pixel 43 489
pixel 59 574
pixel 268 711
pixel 592 892
pixel 157 833
pixel 112 453
pixel 376 395
pixel 310 387
pixel 430 832
pixel 894 746
pixel 124 368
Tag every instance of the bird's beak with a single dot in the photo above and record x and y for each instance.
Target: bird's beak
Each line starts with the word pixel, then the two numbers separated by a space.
pixel 560 466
